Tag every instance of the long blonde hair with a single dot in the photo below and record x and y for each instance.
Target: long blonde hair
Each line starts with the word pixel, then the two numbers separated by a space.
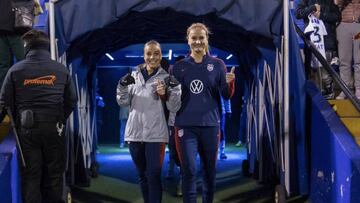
pixel 203 27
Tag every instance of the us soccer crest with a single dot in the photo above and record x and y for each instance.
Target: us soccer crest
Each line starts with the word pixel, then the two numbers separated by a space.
pixel 210 67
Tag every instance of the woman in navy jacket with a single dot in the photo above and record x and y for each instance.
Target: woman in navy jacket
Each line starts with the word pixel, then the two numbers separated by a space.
pixel 203 79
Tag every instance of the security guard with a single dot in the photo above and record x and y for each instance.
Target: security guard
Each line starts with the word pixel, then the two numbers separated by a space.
pixel 41 96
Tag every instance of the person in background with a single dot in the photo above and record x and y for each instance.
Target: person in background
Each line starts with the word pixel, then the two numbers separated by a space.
pixel 243 91
pixel 242 127
pixel 225 113
pixel 100 105
pixel 203 79
pixel 147 91
pixel 11 45
pixel 123 117
pixel 348 46
pixel 313 12
pixel 41 95
pixel 173 155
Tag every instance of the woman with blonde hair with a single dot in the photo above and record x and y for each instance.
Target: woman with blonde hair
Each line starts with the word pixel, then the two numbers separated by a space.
pixel 203 79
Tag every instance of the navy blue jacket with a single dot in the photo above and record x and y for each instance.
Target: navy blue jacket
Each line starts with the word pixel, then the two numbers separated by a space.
pixel 201 84
pixel 40 84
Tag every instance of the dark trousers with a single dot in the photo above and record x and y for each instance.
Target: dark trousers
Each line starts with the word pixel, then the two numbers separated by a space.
pixel 44 153
pixel 10 46
pixel 189 142
pixel 148 158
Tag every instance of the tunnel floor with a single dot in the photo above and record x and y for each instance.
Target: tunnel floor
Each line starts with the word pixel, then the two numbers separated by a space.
pixel 117 180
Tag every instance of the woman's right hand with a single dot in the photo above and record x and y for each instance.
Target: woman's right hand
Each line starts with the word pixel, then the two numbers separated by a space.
pixel 127 80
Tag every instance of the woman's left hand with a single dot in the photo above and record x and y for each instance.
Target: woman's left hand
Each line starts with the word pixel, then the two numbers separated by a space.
pixel 160 88
pixel 230 76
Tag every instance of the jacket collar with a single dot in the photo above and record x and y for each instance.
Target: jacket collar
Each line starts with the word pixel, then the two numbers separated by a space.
pixel 140 76
pixel 38 54
pixel 205 58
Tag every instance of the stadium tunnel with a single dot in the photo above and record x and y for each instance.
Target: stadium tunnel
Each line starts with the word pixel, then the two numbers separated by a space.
pixel 250 30
pixel 85 31
pixel 85 46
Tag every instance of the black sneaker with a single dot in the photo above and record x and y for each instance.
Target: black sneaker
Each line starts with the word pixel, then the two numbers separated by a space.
pixel 328 92
pixel 223 156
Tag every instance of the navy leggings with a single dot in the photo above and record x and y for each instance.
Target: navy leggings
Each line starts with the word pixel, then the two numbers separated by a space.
pixel 148 158
pixel 191 141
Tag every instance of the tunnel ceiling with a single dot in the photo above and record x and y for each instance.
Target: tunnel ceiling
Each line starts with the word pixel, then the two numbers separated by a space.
pixel 165 26
pixel 112 25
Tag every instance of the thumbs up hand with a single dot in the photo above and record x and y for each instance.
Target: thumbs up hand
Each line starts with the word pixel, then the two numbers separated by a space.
pixel 230 76
pixel 127 80
pixel 160 87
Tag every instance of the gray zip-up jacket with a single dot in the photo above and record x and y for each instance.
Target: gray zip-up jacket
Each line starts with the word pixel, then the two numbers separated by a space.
pixel 147 122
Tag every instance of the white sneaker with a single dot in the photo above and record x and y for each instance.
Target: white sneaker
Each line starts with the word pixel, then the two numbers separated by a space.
pixel 335 61
pixel 341 96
